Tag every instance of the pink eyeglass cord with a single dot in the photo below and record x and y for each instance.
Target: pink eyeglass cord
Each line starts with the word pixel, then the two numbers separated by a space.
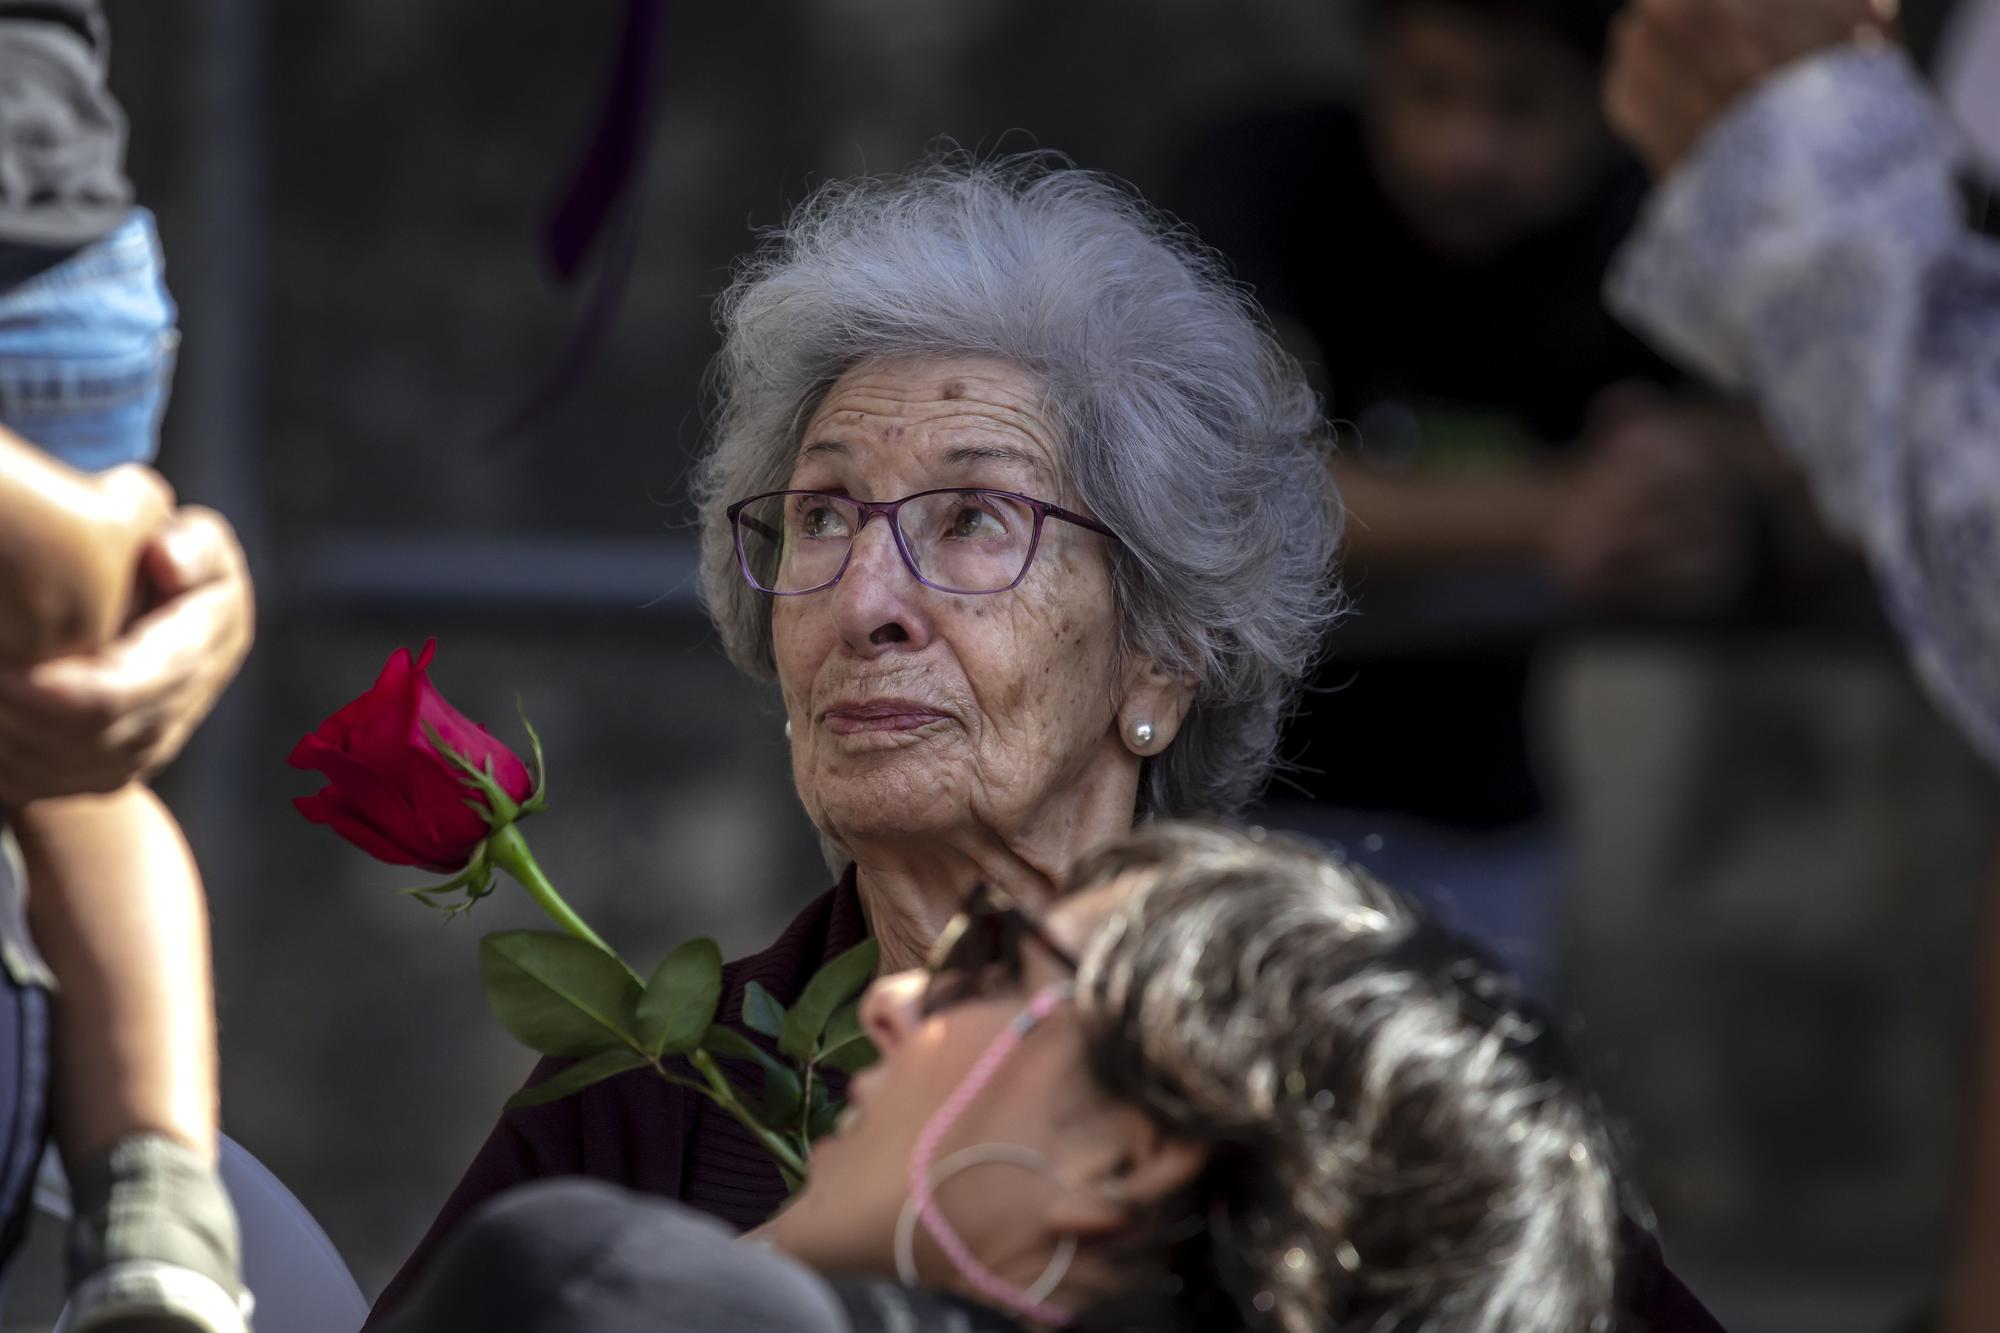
pixel 983 1280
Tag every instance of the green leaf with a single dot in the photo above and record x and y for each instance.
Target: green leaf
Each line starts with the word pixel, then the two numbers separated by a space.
pixel 733 1045
pixel 679 1002
pixel 557 994
pixel 851 1057
pixel 825 1113
pixel 842 1028
pixel 577 1077
pixel 846 1046
pixel 782 1096
pixel 761 1011
pixel 833 985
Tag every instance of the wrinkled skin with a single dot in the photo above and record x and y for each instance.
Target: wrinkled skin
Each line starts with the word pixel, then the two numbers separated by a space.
pixel 940 738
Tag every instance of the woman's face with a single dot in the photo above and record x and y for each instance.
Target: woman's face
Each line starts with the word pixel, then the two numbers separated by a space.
pixel 1042 1098
pixel 916 713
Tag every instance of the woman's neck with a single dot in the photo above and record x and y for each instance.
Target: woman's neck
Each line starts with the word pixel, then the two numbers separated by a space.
pixel 911 892
pixel 911 886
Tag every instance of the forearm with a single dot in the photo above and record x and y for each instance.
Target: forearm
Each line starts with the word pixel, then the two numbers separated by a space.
pixel 117 910
pixel 1417 522
pixel 1811 250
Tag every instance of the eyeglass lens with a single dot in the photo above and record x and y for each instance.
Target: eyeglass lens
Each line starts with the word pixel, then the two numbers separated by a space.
pixel 959 541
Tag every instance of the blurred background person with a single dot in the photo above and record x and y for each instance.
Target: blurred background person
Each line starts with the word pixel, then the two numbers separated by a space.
pixel 1810 244
pixel 1436 247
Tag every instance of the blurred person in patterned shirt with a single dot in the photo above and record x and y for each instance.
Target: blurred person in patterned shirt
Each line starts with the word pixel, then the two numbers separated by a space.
pixel 1809 243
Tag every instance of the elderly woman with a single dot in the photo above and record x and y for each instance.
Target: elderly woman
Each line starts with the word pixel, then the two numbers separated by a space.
pixel 1017 499
pixel 1225 1084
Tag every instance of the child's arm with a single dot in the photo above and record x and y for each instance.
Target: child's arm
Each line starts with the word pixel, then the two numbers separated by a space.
pixel 116 907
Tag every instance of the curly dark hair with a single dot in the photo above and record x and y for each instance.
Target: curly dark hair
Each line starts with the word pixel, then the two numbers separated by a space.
pixel 1397 1139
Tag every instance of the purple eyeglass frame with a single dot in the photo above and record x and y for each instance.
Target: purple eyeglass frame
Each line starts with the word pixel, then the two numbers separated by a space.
pixel 1043 510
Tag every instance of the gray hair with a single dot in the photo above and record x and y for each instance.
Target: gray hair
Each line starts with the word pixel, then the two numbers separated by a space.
pixel 1186 429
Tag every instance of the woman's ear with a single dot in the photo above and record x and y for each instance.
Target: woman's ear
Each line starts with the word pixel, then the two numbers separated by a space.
pixel 1131 1165
pixel 1153 703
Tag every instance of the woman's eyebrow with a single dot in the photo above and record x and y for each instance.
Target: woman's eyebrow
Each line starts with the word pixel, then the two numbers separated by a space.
pixel 961 454
pixel 957 455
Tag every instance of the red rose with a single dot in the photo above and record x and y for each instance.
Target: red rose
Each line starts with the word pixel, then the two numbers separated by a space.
pixel 390 792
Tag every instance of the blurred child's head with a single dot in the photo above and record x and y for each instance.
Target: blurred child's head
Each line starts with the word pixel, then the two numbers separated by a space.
pixel 1483 115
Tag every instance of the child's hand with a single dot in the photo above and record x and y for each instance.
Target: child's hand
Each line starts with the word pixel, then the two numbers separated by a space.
pixel 96 721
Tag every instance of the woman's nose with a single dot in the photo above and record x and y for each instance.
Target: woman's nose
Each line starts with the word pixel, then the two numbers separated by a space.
pixel 876 602
pixel 893 1006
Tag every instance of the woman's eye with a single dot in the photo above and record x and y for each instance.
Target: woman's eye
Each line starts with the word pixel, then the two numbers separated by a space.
pixel 821 521
pixel 969 523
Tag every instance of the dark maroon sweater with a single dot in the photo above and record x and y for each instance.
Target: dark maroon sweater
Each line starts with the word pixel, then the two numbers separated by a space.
pixel 638 1131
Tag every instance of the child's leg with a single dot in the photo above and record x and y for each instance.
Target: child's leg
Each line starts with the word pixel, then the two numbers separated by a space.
pixel 117 910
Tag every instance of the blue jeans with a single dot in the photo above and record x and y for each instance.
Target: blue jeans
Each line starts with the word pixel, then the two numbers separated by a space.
pixel 87 351
pixel 86 361
pixel 24 1103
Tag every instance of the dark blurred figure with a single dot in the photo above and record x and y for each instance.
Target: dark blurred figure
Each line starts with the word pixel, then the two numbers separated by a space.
pixel 1436 253
pixel 1809 243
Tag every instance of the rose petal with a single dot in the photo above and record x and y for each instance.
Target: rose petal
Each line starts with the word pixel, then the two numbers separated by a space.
pixel 359 783
pixel 325 809
pixel 387 777
pixel 439 796
pixel 470 739
pixel 404 804
pixel 375 721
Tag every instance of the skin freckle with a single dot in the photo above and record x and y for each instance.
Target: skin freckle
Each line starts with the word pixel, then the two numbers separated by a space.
pixel 952 390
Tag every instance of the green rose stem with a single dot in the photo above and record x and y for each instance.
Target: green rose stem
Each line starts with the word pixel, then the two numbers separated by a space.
pixel 725 1096
pixel 505 849
pixel 508 850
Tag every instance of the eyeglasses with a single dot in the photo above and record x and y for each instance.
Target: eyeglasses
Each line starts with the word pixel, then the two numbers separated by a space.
pixel 981 948
pixel 959 541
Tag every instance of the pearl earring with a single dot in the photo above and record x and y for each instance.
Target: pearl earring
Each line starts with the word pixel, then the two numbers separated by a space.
pixel 1142 734
pixel 788 728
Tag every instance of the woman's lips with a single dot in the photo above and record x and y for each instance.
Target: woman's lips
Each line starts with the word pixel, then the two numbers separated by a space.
pixel 880 715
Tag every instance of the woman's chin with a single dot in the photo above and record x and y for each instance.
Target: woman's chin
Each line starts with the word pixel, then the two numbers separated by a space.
pixel 887 800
